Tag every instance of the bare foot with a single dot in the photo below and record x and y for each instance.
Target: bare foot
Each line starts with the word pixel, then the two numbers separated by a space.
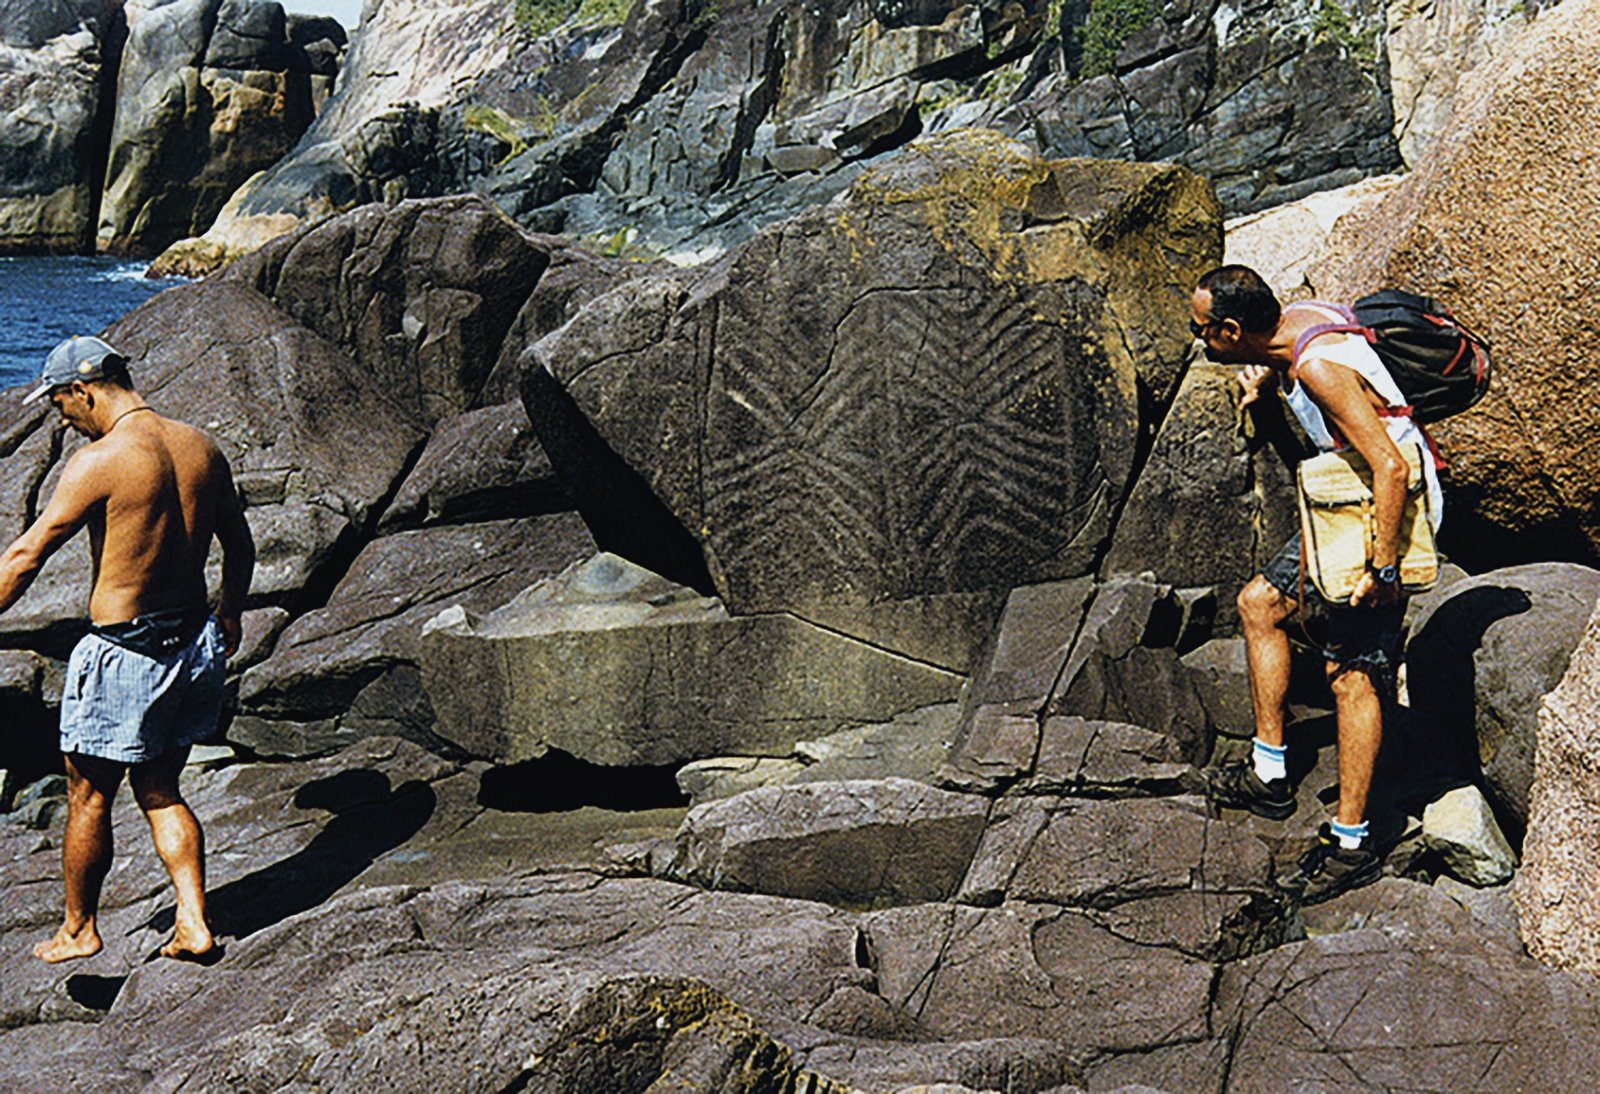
pixel 69 945
pixel 192 943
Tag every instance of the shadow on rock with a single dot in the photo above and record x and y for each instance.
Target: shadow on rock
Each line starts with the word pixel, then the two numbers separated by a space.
pixel 1441 677
pixel 559 782
pixel 94 992
pixel 369 820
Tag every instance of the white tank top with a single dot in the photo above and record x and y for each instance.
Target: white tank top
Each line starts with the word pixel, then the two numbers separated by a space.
pixel 1353 352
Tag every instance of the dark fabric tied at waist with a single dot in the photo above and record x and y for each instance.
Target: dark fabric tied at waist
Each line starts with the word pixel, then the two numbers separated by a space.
pixel 157 634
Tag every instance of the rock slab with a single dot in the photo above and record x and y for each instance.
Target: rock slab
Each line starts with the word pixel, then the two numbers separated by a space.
pixel 1558 888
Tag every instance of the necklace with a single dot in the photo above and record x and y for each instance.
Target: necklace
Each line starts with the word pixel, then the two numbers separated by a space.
pixel 124 414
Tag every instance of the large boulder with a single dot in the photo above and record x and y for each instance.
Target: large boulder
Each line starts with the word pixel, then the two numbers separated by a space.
pixel 54 58
pixel 424 296
pixel 615 665
pixel 350 668
pixel 210 93
pixel 1483 653
pixel 1430 47
pixel 1284 242
pixel 1558 888
pixel 1213 503
pixel 909 393
pixel 1517 153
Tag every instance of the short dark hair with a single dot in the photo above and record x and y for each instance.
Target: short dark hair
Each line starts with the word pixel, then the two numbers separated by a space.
pixel 114 371
pixel 1240 294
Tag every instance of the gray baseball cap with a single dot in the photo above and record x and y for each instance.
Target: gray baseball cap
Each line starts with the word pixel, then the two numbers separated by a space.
pixel 82 357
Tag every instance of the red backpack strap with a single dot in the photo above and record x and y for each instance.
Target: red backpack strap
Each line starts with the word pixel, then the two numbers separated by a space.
pixel 1345 324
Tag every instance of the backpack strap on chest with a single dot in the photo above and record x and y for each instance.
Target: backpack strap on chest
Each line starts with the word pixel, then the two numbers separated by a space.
pixel 1342 320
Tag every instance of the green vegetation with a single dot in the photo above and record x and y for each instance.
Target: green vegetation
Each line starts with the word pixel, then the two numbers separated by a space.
pixel 1004 81
pixel 604 13
pixel 486 119
pixel 543 16
pixel 1106 30
pixel 1331 23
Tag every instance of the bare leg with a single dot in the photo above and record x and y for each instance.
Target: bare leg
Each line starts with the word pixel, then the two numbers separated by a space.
pixel 85 856
pixel 181 845
pixel 1262 610
pixel 1360 714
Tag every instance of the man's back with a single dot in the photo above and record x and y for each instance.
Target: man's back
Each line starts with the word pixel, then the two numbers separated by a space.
pixel 147 681
pixel 163 482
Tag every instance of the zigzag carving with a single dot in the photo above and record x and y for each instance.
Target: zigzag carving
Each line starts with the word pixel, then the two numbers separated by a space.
pixel 929 434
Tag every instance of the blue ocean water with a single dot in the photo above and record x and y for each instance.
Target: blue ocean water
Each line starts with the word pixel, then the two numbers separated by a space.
pixel 44 299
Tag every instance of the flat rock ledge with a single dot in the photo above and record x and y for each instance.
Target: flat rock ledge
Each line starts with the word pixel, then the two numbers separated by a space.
pixel 866 936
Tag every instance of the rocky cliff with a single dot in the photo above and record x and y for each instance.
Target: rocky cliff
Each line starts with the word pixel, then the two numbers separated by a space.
pixel 129 124
pixel 792 672
pixel 57 62
pixel 685 128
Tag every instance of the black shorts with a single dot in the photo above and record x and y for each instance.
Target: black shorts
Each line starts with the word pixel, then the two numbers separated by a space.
pixel 1370 639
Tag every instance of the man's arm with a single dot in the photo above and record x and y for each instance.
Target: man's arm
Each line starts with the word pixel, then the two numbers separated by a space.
pixel 238 559
pixel 75 495
pixel 1345 402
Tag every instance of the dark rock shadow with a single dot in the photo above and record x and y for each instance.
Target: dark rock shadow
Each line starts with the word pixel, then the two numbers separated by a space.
pixel 559 782
pixel 622 511
pixel 369 820
pixel 94 992
pixel 1438 749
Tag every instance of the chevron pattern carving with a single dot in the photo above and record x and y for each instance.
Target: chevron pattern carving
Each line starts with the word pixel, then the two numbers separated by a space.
pixel 924 440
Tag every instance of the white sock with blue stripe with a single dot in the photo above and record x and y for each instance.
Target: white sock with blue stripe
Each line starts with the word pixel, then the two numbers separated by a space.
pixel 1350 836
pixel 1269 761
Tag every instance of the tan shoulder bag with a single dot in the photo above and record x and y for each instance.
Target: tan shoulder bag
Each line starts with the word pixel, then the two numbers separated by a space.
pixel 1336 523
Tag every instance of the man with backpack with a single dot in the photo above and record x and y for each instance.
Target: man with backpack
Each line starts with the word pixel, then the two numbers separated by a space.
pixel 1323 364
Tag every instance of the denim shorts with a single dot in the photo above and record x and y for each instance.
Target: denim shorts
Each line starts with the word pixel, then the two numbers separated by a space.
pixel 129 707
pixel 1371 639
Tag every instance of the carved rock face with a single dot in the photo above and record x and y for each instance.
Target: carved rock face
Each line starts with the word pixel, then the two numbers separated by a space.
pixel 929 387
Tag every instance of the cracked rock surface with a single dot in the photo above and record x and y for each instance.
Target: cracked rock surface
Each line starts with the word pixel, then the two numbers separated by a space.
pixel 369 904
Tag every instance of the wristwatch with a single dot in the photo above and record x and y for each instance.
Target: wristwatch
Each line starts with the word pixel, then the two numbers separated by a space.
pixel 1388 575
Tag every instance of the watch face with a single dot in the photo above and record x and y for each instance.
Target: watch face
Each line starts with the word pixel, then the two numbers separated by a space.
pixel 1388 574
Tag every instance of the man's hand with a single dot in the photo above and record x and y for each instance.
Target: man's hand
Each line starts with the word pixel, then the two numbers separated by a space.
pixel 232 633
pixel 1253 378
pixel 1372 593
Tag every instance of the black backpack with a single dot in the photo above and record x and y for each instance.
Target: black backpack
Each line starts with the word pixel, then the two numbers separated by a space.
pixel 1441 367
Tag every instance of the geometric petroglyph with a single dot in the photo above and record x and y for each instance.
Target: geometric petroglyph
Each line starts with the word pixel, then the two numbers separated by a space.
pixel 934 386
pixel 930 441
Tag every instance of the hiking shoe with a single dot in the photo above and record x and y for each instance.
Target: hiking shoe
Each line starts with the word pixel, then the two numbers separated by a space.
pixel 1327 870
pixel 1237 785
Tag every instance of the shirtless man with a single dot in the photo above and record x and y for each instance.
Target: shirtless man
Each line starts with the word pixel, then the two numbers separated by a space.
pixel 146 682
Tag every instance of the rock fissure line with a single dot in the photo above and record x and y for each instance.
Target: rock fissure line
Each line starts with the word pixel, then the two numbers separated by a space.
pixel 36 487
pixel 899 655
pixel 318 587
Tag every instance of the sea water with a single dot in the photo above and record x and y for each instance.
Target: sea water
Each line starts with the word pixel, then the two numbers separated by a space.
pixel 44 299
